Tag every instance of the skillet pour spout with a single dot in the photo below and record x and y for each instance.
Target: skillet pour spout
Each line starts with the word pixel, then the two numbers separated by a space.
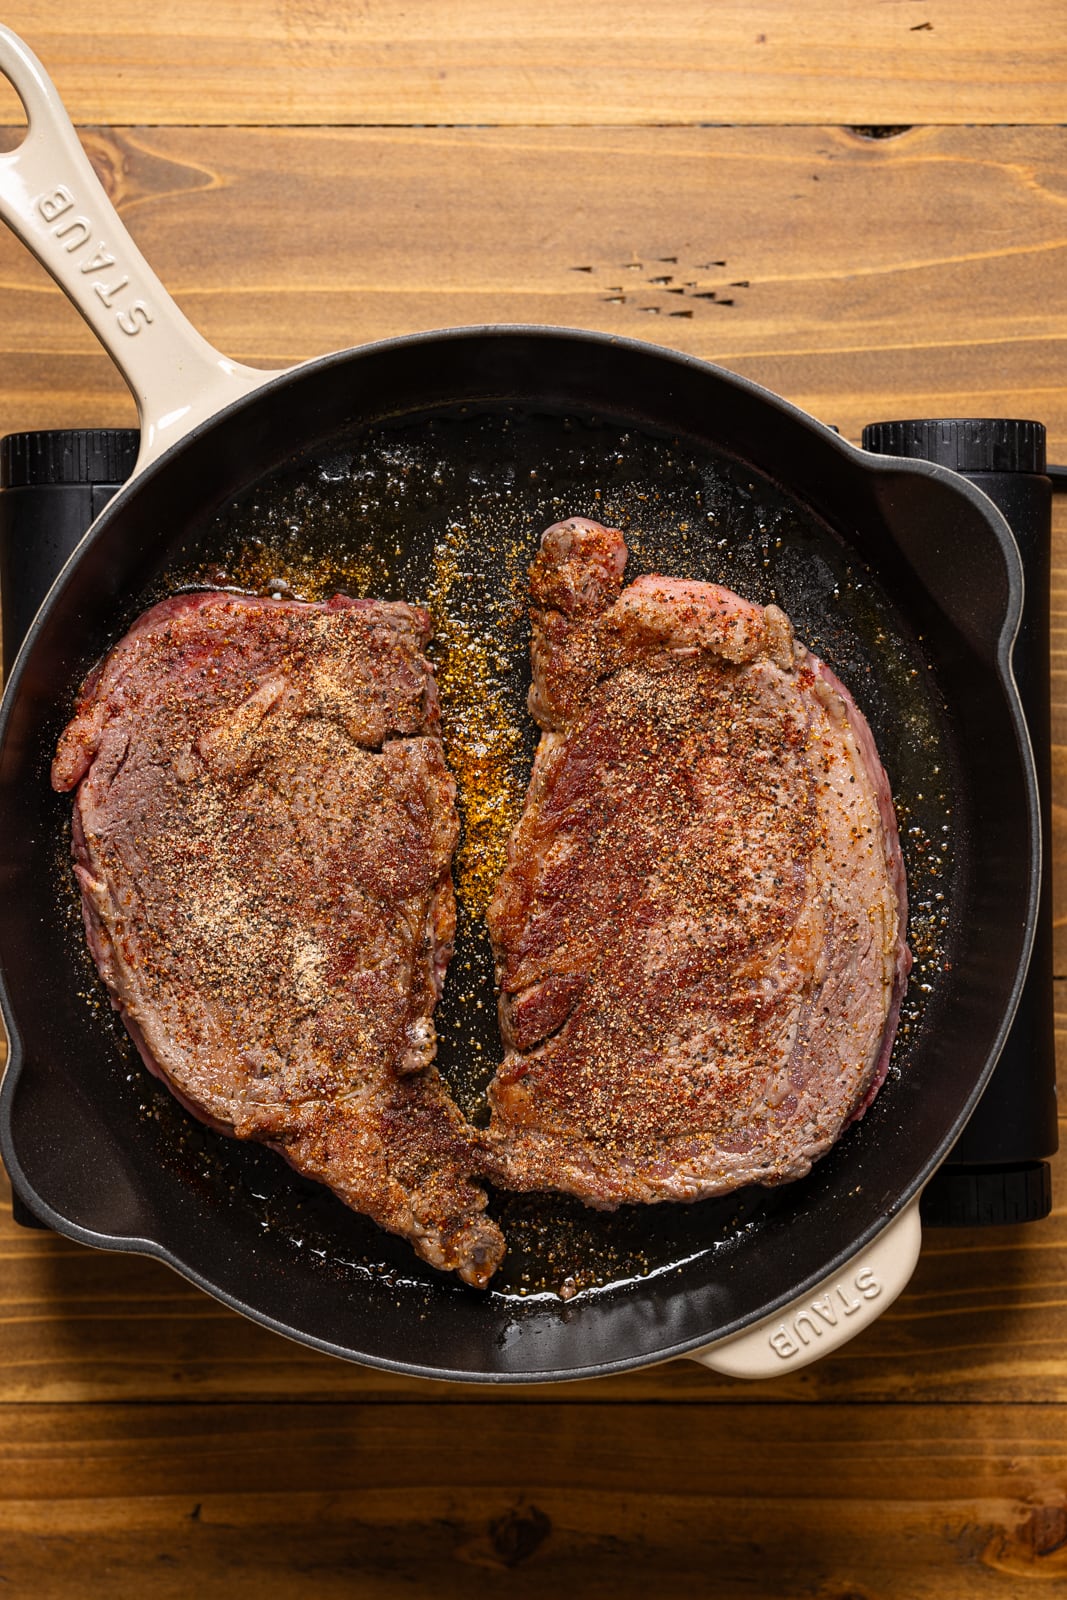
pixel 929 593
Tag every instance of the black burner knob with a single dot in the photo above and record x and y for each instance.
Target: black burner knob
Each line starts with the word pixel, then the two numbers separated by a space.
pixel 67 455
pixel 964 444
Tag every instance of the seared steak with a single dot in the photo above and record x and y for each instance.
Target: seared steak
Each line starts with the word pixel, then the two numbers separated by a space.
pixel 700 931
pixel 263 834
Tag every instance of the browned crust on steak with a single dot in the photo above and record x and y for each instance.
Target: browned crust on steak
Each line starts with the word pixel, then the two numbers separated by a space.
pixel 263 834
pixel 699 933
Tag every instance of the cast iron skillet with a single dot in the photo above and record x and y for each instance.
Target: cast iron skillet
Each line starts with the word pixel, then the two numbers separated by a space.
pixel 752 1284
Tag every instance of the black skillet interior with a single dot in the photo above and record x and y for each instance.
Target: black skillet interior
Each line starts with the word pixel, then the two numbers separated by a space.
pixel 426 469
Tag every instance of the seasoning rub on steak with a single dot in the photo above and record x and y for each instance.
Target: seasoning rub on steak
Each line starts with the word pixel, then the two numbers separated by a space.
pixel 699 934
pixel 263 835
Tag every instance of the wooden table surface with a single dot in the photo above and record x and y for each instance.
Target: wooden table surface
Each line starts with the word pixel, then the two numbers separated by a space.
pixel 877 194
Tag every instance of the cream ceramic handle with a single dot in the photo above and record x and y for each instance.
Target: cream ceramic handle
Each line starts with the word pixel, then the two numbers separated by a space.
pixel 828 1316
pixel 52 199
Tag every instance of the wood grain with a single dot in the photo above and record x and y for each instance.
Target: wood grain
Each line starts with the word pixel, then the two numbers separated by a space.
pixel 957 1503
pixel 549 61
pixel 860 278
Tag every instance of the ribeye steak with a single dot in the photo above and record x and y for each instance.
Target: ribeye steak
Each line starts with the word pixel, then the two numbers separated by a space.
pixel 699 934
pixel 263 834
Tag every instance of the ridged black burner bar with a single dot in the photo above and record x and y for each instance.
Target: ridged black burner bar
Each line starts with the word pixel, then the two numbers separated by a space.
pixel 998 1171
pixel 55 483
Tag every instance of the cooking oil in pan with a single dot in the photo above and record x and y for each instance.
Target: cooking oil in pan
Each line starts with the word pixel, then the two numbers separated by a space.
pixel 447 511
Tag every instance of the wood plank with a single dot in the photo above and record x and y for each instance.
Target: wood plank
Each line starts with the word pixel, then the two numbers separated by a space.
pixel 955 1502
pixel 548 61
pixel 860 278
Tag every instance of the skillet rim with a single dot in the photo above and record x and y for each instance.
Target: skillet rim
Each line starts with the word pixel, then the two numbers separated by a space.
pixel 857 458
